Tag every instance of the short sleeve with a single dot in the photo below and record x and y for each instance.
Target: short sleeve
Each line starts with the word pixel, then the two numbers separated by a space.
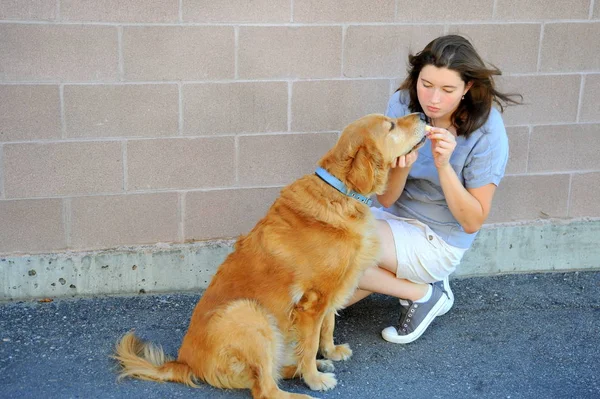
pixel 398 105
pixel 487 162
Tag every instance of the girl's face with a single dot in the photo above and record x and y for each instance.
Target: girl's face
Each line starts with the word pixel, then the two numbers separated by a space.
pixel 440 91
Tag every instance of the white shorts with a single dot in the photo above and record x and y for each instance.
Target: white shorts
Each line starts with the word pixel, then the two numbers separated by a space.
pixel 423 257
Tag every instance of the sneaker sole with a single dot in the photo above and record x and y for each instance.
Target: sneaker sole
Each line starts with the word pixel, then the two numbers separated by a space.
pixel 390 334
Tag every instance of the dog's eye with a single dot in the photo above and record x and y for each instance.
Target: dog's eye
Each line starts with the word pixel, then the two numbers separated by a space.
pixel 393 126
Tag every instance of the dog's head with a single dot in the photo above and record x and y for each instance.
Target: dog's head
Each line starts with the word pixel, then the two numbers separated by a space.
pixel 367 148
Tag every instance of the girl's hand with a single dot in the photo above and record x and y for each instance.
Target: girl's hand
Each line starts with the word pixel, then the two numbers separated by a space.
pixel 406 161
pixel 443 144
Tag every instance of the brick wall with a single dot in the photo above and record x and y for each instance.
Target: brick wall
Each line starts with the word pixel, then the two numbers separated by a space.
pixel 142 121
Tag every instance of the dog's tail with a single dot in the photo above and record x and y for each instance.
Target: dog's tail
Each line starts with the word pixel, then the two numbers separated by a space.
pixel 147 361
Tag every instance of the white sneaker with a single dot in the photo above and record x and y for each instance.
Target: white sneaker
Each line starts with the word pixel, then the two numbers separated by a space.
pixel 415 318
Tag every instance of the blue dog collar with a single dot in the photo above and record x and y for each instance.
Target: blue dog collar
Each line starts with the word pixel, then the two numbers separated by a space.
pixel 341 187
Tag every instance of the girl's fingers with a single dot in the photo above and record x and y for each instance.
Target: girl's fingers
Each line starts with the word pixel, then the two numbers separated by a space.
pixel 402 161
pixel 433 130
pixel 397 162
pixel 405 161
pixel 445 144
pixel 441 136
pixel 411 157
pixel 443 152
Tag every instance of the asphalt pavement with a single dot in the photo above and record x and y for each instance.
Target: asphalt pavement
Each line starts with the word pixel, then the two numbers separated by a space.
pixel 512 336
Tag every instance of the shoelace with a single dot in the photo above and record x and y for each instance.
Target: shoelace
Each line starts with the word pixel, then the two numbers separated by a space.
pixel 405 315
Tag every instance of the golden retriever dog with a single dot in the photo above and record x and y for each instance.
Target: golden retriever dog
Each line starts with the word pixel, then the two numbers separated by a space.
pixel 271 305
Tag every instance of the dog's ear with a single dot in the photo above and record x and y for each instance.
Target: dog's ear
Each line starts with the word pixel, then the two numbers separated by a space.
pixel 362 172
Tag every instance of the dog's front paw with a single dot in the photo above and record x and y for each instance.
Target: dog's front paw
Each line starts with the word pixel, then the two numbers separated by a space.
pixel 339 352
pixel 325 366
pixel 321 381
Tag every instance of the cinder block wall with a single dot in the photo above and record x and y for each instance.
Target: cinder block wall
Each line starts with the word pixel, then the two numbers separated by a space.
pixel 142 121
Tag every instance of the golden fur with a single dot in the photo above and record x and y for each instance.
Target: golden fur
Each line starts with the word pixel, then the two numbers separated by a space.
pixel 271 305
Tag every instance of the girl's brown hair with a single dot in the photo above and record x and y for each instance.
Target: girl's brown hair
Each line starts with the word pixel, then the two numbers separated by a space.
pixel 456 53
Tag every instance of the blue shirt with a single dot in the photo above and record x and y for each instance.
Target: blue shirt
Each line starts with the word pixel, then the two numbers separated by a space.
pixel 477 160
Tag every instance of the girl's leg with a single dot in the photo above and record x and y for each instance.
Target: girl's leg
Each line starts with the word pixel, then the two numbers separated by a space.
pixel 382 278
pixel 424 301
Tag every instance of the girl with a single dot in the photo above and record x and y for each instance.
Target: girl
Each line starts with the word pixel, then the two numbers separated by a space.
pixel 438 198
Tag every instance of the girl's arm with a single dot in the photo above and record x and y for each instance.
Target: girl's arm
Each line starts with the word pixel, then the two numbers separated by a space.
pixel 470 207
